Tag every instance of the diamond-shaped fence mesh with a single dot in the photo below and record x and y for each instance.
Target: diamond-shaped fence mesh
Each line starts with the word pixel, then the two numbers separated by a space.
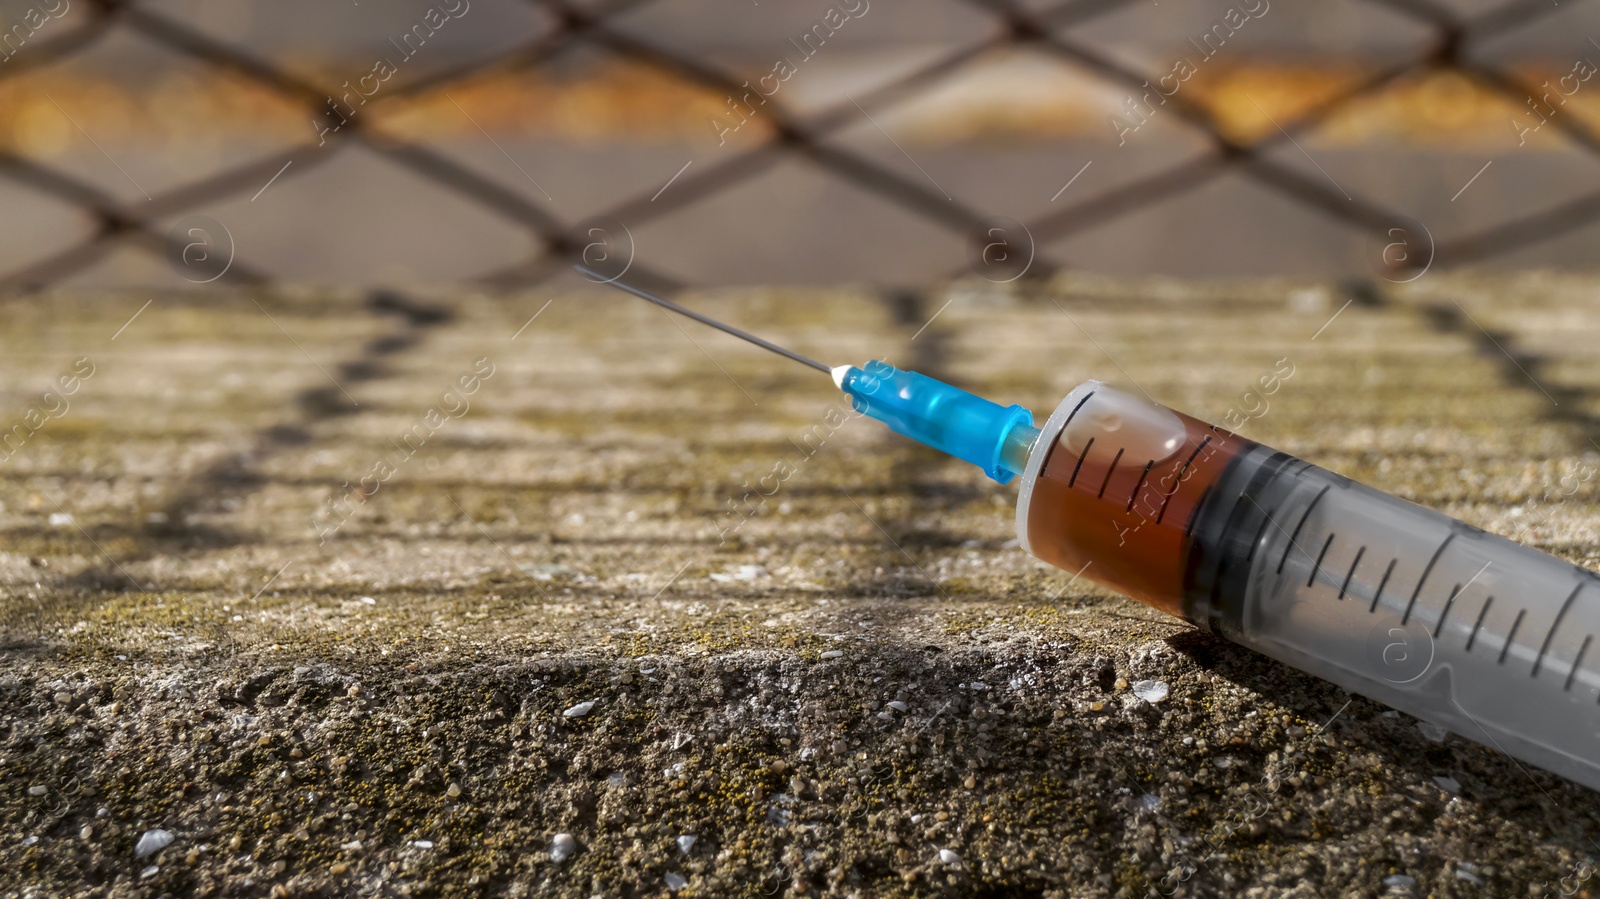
pixel 1272 159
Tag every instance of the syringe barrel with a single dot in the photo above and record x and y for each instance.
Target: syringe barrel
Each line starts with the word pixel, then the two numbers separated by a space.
pixel 1488 638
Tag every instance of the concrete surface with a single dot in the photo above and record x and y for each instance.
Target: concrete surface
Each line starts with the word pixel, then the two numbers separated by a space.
pixel 544 622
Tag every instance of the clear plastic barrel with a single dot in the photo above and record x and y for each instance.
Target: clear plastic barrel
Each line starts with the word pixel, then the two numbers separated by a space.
pixel 1490 639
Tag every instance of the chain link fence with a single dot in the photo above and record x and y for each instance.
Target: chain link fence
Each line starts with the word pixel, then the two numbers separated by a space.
pixel 1402 245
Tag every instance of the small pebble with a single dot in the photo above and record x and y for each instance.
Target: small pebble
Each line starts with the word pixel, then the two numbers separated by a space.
pixel 63 698
pixel 1151 690
pixel 367 600
pixel 422 844
pixel 833 654
pixel 1432 731
pixel 151 842
pixel 898 706
pixel 338 868
pixel 675 882
pixel 949 857
pixel 1399 881
pixel 579 710
pixel 38 790
pixel 453 791
pixel 686 842
pixel 30 841
pixel 562 847
pixel 149 872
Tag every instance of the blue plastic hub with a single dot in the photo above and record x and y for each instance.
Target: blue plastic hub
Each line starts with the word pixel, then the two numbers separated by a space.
pixel 932 412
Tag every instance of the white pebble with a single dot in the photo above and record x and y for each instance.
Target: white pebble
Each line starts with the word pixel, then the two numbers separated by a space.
pixel 422 844
pixel 1432 731
pixel 151 842
pixel 562 847
pixel 30 841
pixel 949 857
pixel 149 872
pixel 675 882
pixel 898 706
pixel 579 710
pixel 742 573
pixel 833 654
pixel 1399 881
pixel 1151 690
pixel 686 842
pixel 60 519
pixel 38 790
pixel 369 601
pixel 1448 784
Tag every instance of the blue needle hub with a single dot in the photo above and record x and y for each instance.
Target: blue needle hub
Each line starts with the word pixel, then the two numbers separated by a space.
pixel 993 437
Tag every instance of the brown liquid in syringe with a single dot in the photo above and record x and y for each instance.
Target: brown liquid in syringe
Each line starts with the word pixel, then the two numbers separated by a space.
pixel 1101 500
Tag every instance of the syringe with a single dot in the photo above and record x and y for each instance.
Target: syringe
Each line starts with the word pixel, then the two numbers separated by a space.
pixel 1429 615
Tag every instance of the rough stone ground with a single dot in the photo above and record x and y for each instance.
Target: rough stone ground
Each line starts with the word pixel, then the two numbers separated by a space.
pixel 866 689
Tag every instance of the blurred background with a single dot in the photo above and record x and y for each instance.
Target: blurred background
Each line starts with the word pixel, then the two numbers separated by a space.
pixel 491 138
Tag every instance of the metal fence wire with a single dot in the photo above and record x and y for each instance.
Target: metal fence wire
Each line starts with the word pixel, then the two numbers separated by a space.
pixel 1051 31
